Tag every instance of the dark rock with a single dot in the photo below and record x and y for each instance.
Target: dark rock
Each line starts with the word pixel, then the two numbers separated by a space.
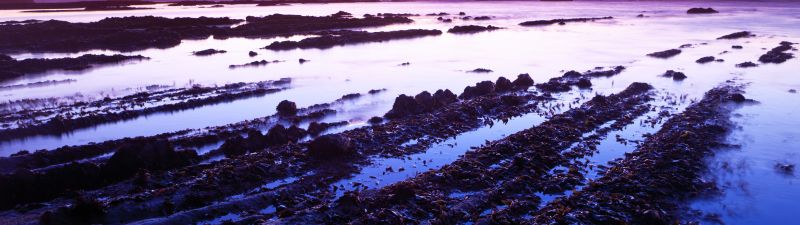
pixel 737 47
pixel 425 100
pixel 329 39
pixel 375 120
pixel 481 88
pixel 572 74
pixel 11 68
pixel 675 75
pixel 706 59
pixel 482 18
pixel 561 21
pixel 738 98
pixel 252 54
pixel 209 51
pixel 777 54
pixel 640 16
pixel 746 65
pixel 512 100
pixel 153 155
pixel 444 97
pixel 503 84
pixel 480 70
pixel 403 106
pixel 471 29
pixel 287 108
pixel 523 81
pixel 234 146
pixel 302 60
pixel 665 54
pixel 701 11
pixel 584 83
pixel 737 35
pixel 331 146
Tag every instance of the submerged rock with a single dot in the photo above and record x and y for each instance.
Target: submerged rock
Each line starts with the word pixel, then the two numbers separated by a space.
pixel 480 70
pixel 665 54
pixel 584 83
pixel 747 64
pixel 705 60
pixel 675 75
pixel 471 29
pixel 209 51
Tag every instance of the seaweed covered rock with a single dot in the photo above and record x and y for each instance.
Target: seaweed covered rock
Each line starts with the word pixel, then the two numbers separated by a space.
pixel 584 83
pixel 331 146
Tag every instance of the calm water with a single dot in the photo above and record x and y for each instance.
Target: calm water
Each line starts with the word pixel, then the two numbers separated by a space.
pixel 753 191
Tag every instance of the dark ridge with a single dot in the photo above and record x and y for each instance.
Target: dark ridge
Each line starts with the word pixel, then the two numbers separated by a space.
pixel 575 78
pixel 747 64
pixel 30 4
pixel 562 21
pixel 254 63
pixel 11 68
pixel 339 38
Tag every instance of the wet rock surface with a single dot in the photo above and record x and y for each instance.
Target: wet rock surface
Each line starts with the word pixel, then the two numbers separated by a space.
pixel 11 68
pixel 338 38
pixel 562 21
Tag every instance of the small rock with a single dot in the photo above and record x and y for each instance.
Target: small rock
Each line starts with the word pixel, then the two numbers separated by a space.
pixel 523 81
pixel 705 60
pixel 287 108
pixel 701 11
pixel 252 54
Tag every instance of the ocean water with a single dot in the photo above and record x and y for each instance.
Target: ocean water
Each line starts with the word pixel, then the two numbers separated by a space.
pixel 753 191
